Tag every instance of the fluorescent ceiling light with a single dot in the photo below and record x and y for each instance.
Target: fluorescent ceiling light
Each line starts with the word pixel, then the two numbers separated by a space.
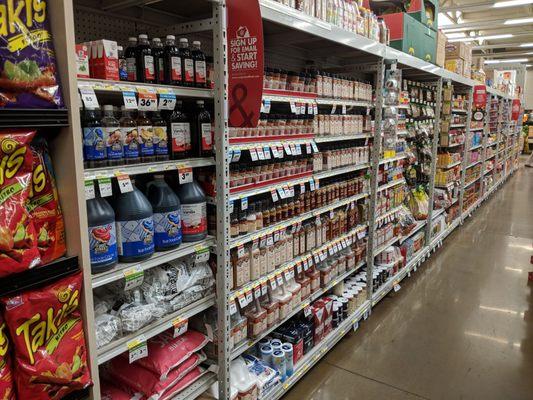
pixel 518 21
pixel 526 45
pixel 489 37
pixel 511 3
pixel 513 60
pixel 445 20
pixel 456 35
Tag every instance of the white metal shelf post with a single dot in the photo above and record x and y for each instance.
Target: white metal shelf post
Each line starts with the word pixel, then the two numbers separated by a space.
pixel 498 137
pixel 223 276
pixel 376 155
pixel 466 149
pixel 485 141
pixel 434 148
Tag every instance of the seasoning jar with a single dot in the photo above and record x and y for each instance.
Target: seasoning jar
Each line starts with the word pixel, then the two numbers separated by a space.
pixel 255 261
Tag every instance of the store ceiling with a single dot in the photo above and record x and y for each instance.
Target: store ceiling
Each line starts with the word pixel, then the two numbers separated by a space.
pixel 484 18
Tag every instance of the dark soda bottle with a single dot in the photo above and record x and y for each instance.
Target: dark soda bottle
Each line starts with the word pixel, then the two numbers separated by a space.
pixel 200 69
pixel 172 62
pixel 180 133
pixel 158 54
pixel 145 61
pixel 204 130
pixel 187 63
pixel 131 59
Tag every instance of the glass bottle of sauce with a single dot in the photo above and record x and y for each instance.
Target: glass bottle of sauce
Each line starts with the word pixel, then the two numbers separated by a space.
pixel 130 137
pixel 145 61
pixel 180 133
pixel 172 62
pixel 160 136
pixel 187 63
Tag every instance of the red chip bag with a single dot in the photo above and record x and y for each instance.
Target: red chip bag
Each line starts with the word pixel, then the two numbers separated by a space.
pixel 18 244
pixel 187 380
pixel 46 328
pixel 110 392
pixel 43 205
pixel 139 379
pixel 166 352
pixel 7 391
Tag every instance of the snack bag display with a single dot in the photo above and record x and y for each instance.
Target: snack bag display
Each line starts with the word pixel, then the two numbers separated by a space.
pixel 46 329
pixel 28 72
pixel 7 390
pixel 111 392
pixel 18 244
pixel 43 205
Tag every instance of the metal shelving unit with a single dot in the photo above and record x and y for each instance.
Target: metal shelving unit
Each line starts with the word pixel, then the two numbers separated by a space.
pixel 371 58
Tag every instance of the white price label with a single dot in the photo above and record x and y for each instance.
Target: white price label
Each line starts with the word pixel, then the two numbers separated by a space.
pixel 308 149
pixel 310 109
pixel 249 297
pixel 266 106
pixel 89 190
pixel 105 188
pixel 356 326
pixel 147 101
pixel 273 284
pixel 299 268
pixel 287 149
pixel 124 183
pixel 202 254
pixel 133 276
pixel 302 187
pixel 257 291
pixel 279 280
pixel 307 311
pixel 260 153
pixel 167 101
pixel 397 287
pixel 312 185
pixel 232 307
pixel 89 98
pixel 293 108
pixel 130 102
pixel 274 151
pixel 240 251
pixel 253 154
pixel 306 265
pixel 242 300
pixel 244 203
pixel 293 149
pixel 334 108
pixel 231 206
pixel 365 315
pixel 236 155
pixel 184 174
pixel 281 193
pixel 302 108
pixel 266 151
pixel 180 326
pixel 315 109
pixel 137 348
pixel 344 108
pixel 274 195
pixel 264 289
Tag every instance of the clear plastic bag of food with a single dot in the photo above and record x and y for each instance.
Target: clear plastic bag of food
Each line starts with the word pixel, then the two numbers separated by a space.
pixel 108 328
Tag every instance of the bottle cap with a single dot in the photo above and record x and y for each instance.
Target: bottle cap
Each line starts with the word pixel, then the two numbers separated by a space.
pixel 132 39
pixel 183 40
pixel 143 36
pixel 108 107
pixel 156 39
pixel 199 102
pixel 196 43
pixel 119 48
pixel 171 37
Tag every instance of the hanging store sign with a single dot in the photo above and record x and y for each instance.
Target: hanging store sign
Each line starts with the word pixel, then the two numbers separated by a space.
pixel 245 62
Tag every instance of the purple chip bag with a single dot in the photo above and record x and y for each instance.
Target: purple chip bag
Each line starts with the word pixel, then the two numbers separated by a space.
pixel 28 70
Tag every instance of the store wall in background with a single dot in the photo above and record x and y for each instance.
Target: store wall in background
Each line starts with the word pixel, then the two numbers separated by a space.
pixel 528 90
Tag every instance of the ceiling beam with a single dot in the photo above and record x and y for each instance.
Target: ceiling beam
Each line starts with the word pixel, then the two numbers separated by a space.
pixel 482 6
pixel 499 23
pixel 497 46
pixel 519 54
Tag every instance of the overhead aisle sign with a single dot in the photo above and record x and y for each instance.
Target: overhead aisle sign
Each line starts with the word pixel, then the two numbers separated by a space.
pixel 246 62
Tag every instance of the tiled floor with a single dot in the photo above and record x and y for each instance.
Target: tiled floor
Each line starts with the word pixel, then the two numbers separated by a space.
pixel 460 328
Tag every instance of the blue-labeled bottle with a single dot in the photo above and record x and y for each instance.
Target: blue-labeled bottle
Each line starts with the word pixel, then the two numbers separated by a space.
pixel 135 226
pixel 102 235
pixel 94 146
pixel 112 137
pixel 167 214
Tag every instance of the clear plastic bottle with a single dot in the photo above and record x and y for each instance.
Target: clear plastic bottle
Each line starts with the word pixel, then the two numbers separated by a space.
pixel 94 146
pixel 130 137
pixel 187 63
pixel 200 69
pixel 160 136
pixel 131 59
pixel 145 61
pixel 113 137
pixel 146 137
pixel 172 62
pixel 159 60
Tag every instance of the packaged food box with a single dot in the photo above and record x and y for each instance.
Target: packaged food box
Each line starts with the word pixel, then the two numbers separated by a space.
pixel 104 59
pixel 455 65
pixel 82 61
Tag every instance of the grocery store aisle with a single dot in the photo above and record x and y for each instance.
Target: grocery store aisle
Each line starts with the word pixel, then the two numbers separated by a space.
pixel 460 328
